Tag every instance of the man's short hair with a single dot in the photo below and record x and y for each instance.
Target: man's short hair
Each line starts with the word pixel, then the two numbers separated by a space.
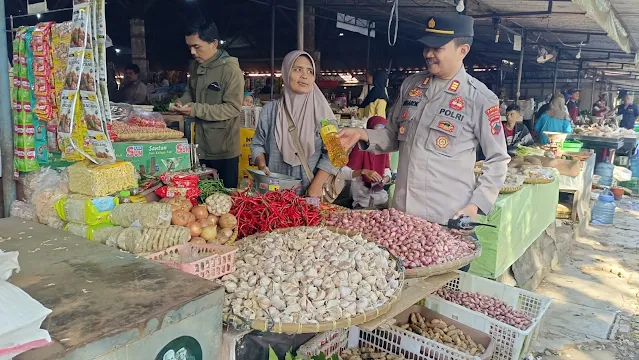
pixel 466 40
pixel 513 107
pixel 207 30
pixel 135 68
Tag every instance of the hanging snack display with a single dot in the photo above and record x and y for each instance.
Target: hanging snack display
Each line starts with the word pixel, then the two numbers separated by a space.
pixel 24 158
pixel 42 68
pixel 310 279
pixel 82 129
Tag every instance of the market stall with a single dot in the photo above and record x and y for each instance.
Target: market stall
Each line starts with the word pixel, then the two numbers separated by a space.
pixel 519 219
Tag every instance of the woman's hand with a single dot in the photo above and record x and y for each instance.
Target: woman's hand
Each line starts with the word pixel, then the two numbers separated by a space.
pixel 315 191
pixel 372 175
pixel 349 137
pixel 265 170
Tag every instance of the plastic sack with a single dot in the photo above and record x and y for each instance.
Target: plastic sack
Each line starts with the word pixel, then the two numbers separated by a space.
pixel 147 215
pixel 120 111
pixel 40 179
pixel 23 210
pixel 622 174
pixel 88 231
pixel 44 202
pixel 146 119
pixel 81 209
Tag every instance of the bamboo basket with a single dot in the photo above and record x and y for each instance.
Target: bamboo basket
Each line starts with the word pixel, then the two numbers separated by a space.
pixel 293 328
pixel 510 190
pixel 233 237
pixel 532 181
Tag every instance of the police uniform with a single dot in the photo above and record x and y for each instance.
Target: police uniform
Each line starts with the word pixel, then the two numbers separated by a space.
pixel 437 135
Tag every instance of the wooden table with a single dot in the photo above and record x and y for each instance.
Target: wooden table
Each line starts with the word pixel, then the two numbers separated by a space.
pixel 108 301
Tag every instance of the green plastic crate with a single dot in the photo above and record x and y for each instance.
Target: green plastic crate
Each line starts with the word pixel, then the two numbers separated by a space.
pixel 632 185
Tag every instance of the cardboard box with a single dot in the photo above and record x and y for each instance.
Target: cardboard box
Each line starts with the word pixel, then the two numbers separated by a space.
pixel 479 337
pixel 156 156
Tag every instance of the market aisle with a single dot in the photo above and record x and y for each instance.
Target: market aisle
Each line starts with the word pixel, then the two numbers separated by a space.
pixel 595 310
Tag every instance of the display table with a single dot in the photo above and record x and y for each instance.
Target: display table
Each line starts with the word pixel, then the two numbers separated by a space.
pixel 580 186
pixel 520 218
pixel 605 147
pixel 109 304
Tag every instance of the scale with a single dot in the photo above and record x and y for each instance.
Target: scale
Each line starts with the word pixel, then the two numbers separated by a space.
pixel 556 140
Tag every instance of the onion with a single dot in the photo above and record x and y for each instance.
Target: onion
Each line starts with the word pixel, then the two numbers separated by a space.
pixel 195 229
pixel 191 217
pixel 206 222
pixel 214 219
pixel 209 233
pixel 197 240
pixel 200 212
pixel 228 221
pixel 180 218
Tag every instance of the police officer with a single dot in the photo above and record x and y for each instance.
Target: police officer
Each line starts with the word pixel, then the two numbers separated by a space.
pixel 440 118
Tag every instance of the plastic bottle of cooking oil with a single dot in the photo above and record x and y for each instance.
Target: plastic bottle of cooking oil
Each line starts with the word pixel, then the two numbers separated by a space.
pixel 336 153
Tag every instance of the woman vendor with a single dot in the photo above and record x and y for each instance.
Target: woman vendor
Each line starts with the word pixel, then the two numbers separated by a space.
pixel 515 131
pixel 302 105
pixel 375 102
pixel 369 173
pixel 553 120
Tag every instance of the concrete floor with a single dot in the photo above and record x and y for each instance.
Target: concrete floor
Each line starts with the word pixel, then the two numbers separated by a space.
pixel 595 309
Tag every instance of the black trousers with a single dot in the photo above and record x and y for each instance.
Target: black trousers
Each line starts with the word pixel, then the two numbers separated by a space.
pixel 227 169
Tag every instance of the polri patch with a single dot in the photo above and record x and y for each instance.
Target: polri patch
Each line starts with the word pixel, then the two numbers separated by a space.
pixel 425 82
pixel 457 103
pixel 415 93
pixel 495 128
pixel 493 114
pixel 446 126
pixel 451 114
pixel 453 86
pixel 441 142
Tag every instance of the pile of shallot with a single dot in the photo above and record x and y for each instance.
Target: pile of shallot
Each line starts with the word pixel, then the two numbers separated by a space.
pixel 488 305
pixel 417 242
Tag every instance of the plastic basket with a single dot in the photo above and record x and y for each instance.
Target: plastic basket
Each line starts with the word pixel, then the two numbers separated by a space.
pixel 511 343
pixel 389 340
pixel 210 267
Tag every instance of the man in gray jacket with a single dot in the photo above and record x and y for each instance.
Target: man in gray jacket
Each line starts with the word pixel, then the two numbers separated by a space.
pixel 213 97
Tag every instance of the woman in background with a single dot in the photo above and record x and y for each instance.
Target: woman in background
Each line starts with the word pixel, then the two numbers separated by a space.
pixel 375 102
pixel 370 172
pixel 553 120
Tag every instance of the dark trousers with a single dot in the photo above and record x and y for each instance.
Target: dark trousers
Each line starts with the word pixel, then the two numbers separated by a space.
pixel 227 169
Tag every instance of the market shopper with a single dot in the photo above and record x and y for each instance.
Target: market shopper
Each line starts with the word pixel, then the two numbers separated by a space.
pixel 553 120
pixel 440 118
pixel 375 102
pixel 600 108
pixel 366 87
pixel 572 105
pixel 134 91
pixel 213 96
pixel 515 132
pixel 629 113
pixel 299 112
pixel 370 172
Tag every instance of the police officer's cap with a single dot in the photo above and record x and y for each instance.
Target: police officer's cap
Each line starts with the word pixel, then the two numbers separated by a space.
pixel 441 29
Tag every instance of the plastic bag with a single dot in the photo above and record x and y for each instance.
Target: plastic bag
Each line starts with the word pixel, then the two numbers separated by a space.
pixel 171 191
pixel 146 119
pixel 151 215
pixel 120 111
pixel 81 209
pixel 40 179
pixel 180 179
pixel 88 231
pixel 23 210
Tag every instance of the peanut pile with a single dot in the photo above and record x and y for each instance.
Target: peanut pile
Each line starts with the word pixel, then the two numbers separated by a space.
pixel 437 330
pixel 367 354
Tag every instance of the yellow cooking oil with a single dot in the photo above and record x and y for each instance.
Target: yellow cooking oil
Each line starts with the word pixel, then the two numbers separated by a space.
pixel 336 153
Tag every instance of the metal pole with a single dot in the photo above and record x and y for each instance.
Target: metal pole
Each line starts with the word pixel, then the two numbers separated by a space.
pixel 594 83
pixel 581 64
pixel 6 125
pixel 521 66
pixel 300 25
pixel 272 47
pixel 554 81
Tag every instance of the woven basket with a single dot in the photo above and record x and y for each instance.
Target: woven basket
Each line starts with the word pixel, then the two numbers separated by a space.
pixel 233 237
pixel 538 181
pixel 292 328
pixel 509 190
pixel 434 270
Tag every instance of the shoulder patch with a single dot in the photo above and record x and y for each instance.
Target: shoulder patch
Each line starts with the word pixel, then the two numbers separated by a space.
pixel 493 114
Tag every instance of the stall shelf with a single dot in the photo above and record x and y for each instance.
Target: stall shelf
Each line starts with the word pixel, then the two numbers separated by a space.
pixel 605 147
pixel 520 218
pixel 109 304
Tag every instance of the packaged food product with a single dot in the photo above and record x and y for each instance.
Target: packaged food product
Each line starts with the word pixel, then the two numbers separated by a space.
pixel 126 132
pixel 148 215
pixel 101 180
pixel 103 232
pixel 82 209
pixel 23 210
pixel 89 231
pixel 180 179
pixel 171 191
pixel 60 39
pixel 146 119
pixel 120 111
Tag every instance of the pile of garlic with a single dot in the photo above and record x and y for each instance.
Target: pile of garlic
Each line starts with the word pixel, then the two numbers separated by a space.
pixel 309 275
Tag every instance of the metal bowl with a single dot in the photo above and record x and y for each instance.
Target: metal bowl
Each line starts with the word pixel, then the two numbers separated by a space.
pixel 264 183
